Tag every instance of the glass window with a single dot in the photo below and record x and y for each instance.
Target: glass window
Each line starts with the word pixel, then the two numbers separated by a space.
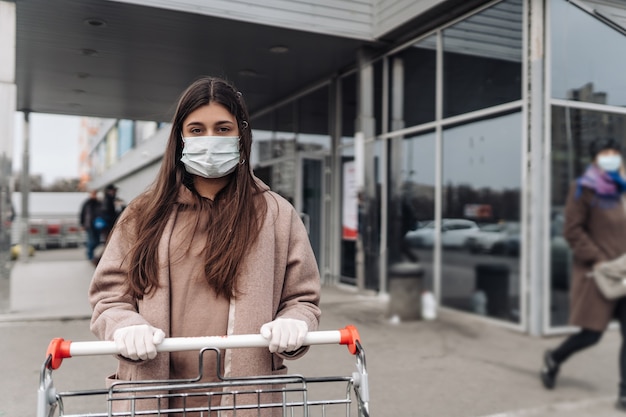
pixel 483 59
pixel 378 97
pixel 587 57
pixel 351 218
pixel 312 126
pixel 262 136
pixel 370 208
pixel 348 108
pixel 412 202
pixel 573 130
pixel 482 167
pixel 413 70
pixel 285 118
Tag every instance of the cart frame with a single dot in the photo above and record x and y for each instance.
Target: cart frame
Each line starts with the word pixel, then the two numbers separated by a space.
pixel 282 395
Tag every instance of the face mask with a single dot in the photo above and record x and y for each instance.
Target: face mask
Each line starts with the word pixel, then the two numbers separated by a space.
pixel 210 156
pixel 610 163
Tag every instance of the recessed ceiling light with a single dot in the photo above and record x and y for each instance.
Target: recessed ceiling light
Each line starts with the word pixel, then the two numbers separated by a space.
pixel 248 73
pixel 95 22
pixel 279 49
pixel 89 52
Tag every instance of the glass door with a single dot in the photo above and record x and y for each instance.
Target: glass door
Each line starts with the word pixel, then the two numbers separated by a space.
pixel 309 200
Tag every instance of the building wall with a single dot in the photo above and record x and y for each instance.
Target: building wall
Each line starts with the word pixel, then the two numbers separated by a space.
pixel 136 169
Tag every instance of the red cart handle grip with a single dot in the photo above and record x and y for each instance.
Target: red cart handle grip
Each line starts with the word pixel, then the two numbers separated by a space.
pixel 350 336
pixel 58 349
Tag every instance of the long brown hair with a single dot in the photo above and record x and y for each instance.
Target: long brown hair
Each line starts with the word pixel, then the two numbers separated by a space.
pixel 236 214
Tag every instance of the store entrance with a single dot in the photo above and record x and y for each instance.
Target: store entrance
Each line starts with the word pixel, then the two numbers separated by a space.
pixel 310 206
pixel 301 182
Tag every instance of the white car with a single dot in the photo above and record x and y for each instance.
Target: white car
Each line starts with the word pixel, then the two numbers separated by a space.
pixel 492 237
pixel 454 234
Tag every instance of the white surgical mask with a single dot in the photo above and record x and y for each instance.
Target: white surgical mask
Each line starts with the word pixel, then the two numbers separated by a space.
pixel 210 156
pixel 609 163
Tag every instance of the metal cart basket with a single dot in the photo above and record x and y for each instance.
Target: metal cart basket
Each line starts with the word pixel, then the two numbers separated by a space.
pixel 258 396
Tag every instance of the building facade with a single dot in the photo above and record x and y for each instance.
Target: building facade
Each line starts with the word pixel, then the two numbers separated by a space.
pixel 451 148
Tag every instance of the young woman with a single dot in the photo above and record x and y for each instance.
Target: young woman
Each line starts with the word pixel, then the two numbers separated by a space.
pixel 207 250
pixel 595 228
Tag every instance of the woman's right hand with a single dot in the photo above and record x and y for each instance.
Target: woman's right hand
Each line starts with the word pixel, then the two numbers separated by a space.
pixel 138 342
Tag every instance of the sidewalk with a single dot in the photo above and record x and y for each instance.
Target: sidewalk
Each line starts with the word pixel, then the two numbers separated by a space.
pixel 455 366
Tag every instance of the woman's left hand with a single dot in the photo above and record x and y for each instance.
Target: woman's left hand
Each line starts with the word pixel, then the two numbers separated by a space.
pixel 284 335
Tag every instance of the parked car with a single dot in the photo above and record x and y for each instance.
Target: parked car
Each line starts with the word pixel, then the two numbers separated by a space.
pixel 494 238
pixel 560 254
pixel 454 234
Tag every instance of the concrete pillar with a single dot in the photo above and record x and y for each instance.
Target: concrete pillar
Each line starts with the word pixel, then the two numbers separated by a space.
pixel 7 113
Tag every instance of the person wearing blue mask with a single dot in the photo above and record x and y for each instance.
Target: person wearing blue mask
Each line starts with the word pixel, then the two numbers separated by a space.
pixel 207 250
pixel 595 228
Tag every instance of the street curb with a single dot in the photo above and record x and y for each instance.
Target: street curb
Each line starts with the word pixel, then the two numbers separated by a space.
pixel 18 318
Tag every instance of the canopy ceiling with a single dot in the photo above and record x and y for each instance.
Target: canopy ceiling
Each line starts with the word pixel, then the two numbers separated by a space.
pixel 115 60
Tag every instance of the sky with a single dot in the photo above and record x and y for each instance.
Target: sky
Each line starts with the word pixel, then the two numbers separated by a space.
pixel 54 149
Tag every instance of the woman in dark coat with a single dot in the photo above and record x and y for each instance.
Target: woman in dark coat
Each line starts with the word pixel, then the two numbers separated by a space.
pixel 595 228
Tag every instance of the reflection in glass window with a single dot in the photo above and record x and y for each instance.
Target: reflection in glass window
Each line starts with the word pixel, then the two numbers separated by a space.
pixel 370 213
pixel 587 57
pixel 483 59
pixel 348 108
pixel 280 177
pixel 482 165
pixel 284 118
pixel 415 70
pixel 262 135
pixel 351 218
pixel 312 121
pixel 378 97
pixel 412 203
pixel 573 130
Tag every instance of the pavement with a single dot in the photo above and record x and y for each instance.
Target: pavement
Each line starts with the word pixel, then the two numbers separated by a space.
pixel 454 366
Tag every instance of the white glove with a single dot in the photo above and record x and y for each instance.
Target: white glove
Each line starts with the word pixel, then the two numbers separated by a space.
pixel 138 342
pixel 284 335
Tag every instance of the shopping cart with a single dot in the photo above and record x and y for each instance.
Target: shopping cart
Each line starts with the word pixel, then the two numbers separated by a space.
pixel 284 395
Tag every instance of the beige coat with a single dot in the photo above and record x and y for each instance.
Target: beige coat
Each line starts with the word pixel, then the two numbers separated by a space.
pixel 279 278
pixel 596 232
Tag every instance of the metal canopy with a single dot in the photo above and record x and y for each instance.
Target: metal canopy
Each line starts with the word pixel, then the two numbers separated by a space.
pixel 108 59
pixel 611 12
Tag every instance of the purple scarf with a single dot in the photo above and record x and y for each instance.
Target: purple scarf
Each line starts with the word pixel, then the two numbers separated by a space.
pixel 599 181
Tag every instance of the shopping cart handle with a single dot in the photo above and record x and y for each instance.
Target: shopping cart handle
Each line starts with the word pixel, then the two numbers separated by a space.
pixel 58 349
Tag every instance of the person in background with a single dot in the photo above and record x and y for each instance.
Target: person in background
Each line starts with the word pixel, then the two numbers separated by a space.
pixel 90 209
pixel 595 228
pixel 111 209
pixel 207 250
